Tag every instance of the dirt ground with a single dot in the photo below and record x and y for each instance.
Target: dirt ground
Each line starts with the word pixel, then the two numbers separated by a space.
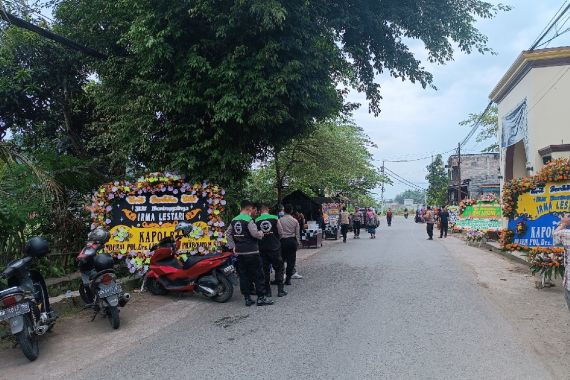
pixel 541 316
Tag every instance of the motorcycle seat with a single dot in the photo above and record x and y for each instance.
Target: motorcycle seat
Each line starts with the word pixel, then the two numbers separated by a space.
pixel 190 261
pixel 193 260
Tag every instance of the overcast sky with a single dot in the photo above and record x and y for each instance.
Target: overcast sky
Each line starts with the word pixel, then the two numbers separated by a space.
pixel 415 122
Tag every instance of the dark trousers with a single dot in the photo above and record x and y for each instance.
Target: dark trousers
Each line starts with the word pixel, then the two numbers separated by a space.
pixel 251 272
pixel 356 226
pixel 444 229
pixel 289 253
pixel 344 231
pixel 272 259
pixel 430 230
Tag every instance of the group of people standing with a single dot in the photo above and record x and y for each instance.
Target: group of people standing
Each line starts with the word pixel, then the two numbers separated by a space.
pixel 439 216
pixel 358 219
pixel 262 241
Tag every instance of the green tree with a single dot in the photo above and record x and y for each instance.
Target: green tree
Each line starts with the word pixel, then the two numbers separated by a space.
pixel 438 182
pixel 205 86
pixel 333 159
pixel 488 129
pixel 416 195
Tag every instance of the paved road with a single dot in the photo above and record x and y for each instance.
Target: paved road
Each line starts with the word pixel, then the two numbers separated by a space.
pixel 398 307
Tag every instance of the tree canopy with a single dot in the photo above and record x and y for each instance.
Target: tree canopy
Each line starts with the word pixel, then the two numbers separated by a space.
pixel 333 159
pixel 209 86
pixel 489 128
pixel 438 182
pixel 416 195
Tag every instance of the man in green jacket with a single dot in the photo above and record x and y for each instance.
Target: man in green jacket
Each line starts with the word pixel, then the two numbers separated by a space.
pixel 243 237
pixel 270 248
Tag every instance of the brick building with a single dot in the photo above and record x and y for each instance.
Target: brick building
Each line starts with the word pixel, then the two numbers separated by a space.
pixel 479 175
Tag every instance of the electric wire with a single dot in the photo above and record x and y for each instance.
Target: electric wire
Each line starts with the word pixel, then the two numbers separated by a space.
pixel 557 17
pixel 537 40
pixel 402 179
pixel 404 182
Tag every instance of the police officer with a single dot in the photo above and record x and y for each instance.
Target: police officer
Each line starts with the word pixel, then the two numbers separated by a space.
pixel 270 248
pixel 243 237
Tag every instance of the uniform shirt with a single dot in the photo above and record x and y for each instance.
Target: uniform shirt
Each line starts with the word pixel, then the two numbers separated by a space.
pixel 243 235
pixel 429 217
pixel 344 217
pixel 357 217
pixel 290 228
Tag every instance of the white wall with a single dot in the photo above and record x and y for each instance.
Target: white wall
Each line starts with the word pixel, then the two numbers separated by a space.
pixel 549 113
pixel 547 90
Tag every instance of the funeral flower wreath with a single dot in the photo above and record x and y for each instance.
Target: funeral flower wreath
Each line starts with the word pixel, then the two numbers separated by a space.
pixel 156 183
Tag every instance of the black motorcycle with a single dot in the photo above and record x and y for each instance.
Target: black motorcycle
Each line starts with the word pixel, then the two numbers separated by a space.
pixel 25 303
pixel 99 288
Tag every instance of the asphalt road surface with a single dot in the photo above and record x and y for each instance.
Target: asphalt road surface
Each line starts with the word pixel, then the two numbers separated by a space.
pixel 397 307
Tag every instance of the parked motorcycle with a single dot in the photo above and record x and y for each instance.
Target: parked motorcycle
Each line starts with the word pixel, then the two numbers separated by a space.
pixel 25 303
pixel 99 288
pixel 212 275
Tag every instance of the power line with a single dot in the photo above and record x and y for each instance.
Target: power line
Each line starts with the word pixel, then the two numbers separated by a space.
pixel 477 124
pixel 549 22
pixel 418 159
pixel 391 176
pixel 402 179
pixel 550 26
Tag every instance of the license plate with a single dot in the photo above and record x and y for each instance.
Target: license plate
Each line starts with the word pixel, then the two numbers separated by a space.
pixel 109 290
pixel 14 311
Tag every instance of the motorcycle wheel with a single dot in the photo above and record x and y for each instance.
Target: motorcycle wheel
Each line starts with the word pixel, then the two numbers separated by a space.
pixel 28 341
pixel 86 294
pixel 226 290
pixel 113 314
pixel 155 287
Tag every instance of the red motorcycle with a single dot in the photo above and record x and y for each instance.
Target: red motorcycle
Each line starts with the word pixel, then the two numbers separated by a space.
pixel 212 275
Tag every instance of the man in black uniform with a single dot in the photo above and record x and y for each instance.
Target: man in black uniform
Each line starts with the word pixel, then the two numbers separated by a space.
pixel 243 236
pixel 270 248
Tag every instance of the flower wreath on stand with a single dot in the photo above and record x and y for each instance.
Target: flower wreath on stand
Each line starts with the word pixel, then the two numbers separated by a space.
pixel 464 204
pixel 157 183
pixel 545 261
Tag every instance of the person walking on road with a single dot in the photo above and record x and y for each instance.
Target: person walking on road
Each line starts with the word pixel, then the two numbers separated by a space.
pixel 243 238
pixel 371 223
pixel 430 221
pixel 444 221
pixel 389 216
pixel 270 249
pixel 356 222
pixel 344 220
pixel 290 240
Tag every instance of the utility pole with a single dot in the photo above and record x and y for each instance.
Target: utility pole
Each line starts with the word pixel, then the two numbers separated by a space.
pixel 458 173
pixel 382 196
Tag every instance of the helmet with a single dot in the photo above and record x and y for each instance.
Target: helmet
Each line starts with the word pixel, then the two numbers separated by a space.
pixel 36 247
pixel 102 262
pixel 99 235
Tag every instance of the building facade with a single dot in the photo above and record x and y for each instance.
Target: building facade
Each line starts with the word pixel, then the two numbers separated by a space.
pixel 479 174
pixel 534 116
